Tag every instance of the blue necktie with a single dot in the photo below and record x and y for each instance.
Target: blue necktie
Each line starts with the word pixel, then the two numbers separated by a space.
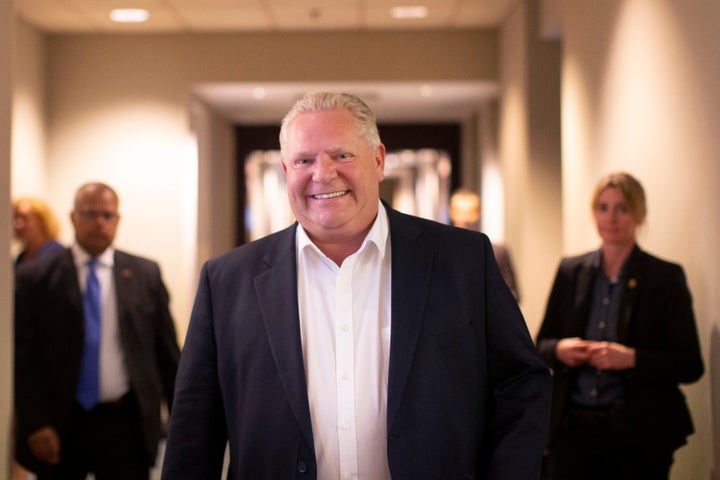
pixel 88 391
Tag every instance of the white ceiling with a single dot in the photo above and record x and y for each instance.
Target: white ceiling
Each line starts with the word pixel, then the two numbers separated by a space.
pixel 391 102
pixel 258 15
pixel 448 101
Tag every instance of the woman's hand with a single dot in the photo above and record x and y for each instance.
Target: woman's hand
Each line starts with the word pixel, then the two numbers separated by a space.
pixel 573 352
pixel 611 356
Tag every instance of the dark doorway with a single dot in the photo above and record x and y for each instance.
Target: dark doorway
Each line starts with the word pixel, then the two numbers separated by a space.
pixel 440 136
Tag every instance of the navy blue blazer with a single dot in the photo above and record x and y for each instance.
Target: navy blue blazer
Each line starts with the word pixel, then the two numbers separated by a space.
pixel 656 318
pixel 468 396
pixel 49 332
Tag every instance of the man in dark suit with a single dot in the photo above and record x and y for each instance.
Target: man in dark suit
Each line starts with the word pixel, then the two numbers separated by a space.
pixel 360 343
pixel 131 357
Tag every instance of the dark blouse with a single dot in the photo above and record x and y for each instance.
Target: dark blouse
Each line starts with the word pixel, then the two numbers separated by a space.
pixel 595 387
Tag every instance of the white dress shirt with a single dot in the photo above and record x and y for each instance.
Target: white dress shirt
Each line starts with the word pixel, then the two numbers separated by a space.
pixel 113 376
pixel 345 330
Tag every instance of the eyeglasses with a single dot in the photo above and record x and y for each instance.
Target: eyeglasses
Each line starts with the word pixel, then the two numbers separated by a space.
pixel 92 215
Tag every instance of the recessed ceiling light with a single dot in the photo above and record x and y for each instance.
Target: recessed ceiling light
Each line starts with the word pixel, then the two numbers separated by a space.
pixel 258 93
pixel 129 15
pixel 409 12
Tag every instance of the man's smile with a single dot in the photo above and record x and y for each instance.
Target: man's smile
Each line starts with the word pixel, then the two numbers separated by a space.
pixel 323 196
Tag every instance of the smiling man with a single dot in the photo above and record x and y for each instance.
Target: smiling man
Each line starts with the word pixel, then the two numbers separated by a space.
pixel 359 342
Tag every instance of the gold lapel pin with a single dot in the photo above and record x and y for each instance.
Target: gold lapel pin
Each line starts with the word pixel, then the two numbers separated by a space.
pixel 126 273
pixel 632 283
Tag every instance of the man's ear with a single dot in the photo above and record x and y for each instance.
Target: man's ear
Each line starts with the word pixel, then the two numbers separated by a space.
pixel 380 161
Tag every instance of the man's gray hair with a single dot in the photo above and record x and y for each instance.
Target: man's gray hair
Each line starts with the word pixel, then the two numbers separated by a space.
pixel 365 120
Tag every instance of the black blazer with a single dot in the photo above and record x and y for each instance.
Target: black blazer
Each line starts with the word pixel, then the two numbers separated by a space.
pixel 655 318
pixel 49 331
pixel 468 396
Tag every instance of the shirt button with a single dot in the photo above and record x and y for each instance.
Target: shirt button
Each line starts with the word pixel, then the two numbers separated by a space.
pixel 345 327
pixel 346 426
pixel 301 467
pixel 593 392
pixel 605 301
pixel 345 376
pixel 601 324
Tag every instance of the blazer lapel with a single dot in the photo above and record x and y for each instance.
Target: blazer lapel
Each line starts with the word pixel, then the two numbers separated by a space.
pixel 70 281
pixel 411 268
pixel 631 278
pixel 583 293
pixel 121 274
pixel 68 266
pixel 276 290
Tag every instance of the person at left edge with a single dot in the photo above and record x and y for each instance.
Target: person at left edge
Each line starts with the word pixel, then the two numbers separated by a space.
pixel 36 228
pixel 117 438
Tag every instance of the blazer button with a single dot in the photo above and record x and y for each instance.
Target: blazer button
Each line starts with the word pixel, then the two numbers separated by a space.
pixel 301 467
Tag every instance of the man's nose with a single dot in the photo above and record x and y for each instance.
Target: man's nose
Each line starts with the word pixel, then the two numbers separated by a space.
pixel 325 169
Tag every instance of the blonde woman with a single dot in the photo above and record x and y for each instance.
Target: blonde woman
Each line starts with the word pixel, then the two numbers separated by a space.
pixel 620 334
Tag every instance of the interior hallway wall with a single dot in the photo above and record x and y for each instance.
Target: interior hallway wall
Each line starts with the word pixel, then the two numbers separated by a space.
pixel 530 155
pixel 119 111
pixel 28 175
pixel 641 93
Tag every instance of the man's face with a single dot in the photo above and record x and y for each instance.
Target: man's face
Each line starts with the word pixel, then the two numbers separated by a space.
pixel 465 212
pixel 332 175
pixel 95 219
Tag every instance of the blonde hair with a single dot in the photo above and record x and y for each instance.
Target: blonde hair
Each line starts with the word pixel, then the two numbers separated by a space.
pixel 46 218
pixel 632 192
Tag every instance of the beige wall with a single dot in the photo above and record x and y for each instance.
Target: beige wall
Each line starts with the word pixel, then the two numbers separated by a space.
pixel 29 114
pixel 530 155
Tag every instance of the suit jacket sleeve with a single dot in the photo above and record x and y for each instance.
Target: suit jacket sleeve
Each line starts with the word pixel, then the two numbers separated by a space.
pixel 167 351
pixel 466 382
pixel 32 381
pixel 520 388
pixel 557 311
pixel 663 330
pixel 197 433
pixel 48 343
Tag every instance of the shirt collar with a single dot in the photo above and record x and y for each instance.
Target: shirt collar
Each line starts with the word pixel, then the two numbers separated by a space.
pixel 597 258
pixel 377 235
pixel 107 258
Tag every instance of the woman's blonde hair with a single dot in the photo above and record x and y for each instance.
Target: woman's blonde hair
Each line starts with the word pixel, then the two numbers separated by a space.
pixel 46 218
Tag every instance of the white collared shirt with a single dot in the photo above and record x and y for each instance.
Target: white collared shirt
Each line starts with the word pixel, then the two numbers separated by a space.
pixel 345 330
pixel 114 381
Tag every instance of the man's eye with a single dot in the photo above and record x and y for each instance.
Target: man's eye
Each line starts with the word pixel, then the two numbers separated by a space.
pixel 301 162
pixel 344 157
